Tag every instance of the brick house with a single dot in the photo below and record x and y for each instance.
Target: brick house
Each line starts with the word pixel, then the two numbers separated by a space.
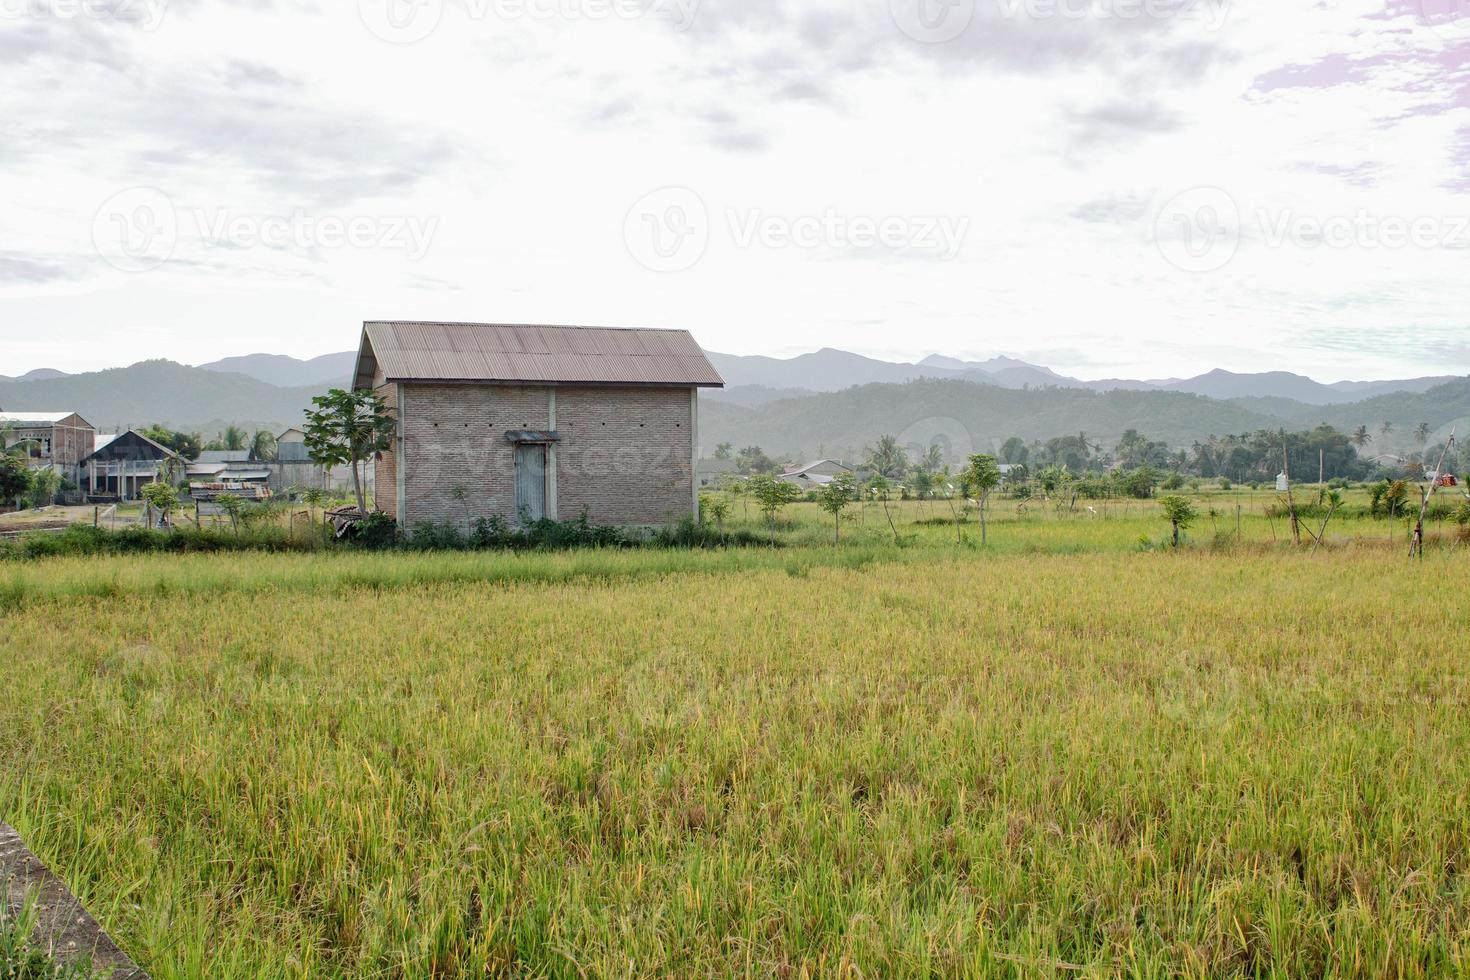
pixel 526 422
pixel 58 439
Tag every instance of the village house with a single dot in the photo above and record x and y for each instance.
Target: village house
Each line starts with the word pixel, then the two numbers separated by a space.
pixel 122 465
pixel 532 422
pixel 57 439
pixel 813 475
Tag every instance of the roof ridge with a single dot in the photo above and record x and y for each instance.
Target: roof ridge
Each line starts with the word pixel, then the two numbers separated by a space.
pixel 530 326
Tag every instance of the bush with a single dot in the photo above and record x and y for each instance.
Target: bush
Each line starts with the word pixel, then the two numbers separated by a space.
pixel 1173 482
pixel 1225 484
pixel 376 531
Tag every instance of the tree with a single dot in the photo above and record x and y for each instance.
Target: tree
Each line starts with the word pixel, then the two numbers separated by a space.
pixel 715 508
pixel 724 450
pixel 888 458
pixel 1015 452
pixel 1386 429
pixel 347 428
pixel 1361 436
pixel 15 478
pixel 771 495
pixel 162 497
pixel 44 483
pixel 834 498
pixel 932 460
pixel 753 460
pixel 1180 512
pixel 983 474
pixel 233 437
pixel 1421 434
pixel 232 506
pixel 263 447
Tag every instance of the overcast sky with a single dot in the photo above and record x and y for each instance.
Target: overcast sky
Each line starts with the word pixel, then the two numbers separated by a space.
pixel 1138 188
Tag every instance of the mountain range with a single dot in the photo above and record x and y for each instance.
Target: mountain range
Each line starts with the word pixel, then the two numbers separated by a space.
pixel 832 370
pixel 829 401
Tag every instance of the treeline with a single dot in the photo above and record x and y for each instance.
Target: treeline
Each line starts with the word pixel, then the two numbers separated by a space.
pixel 233 438
pixel 1137 465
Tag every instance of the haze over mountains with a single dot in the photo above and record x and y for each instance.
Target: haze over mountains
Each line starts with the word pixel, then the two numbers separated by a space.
pixel 828 401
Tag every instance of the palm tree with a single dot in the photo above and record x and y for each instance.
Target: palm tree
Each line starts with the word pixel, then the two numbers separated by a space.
pixel 1361 436
pixel 234 438
pixel 1421 434
pixel 1386 429
pixel 888 458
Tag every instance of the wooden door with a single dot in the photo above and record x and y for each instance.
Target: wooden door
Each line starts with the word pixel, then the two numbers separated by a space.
pixel 530 483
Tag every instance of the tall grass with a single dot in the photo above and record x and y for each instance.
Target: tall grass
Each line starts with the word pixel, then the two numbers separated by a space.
pixel 878 762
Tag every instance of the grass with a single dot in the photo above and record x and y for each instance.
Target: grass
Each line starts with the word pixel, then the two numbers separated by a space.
pixel 1057 756
pixel 20 959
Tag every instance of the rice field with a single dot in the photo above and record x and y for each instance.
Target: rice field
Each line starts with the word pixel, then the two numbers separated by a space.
pixel 1066 754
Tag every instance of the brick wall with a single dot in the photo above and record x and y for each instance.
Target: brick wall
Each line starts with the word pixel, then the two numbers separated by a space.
pixel 626 454
pixel 385 467
pixel 455 437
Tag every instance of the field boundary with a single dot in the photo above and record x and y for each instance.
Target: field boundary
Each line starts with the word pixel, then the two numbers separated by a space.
pixel 64 929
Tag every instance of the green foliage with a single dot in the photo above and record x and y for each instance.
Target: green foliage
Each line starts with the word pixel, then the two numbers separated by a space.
pixel 42 486
pixel 772 495
pixel 347 428
pixel 187 444
pixel 15 477
pixel 753 460
pixel 1180 512
pixel 20 959
pixel 164 497
pixel 834 499
pixel 887 458
pixel 714 508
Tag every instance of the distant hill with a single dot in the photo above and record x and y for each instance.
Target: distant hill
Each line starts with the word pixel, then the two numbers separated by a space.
pixel 971 417
pixel 812 411
pixel 39 374
pixel 162 391
pixel 329 370
pixel 830 370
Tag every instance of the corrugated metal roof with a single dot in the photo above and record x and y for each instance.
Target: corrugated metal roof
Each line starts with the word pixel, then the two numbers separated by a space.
pixel 523 353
